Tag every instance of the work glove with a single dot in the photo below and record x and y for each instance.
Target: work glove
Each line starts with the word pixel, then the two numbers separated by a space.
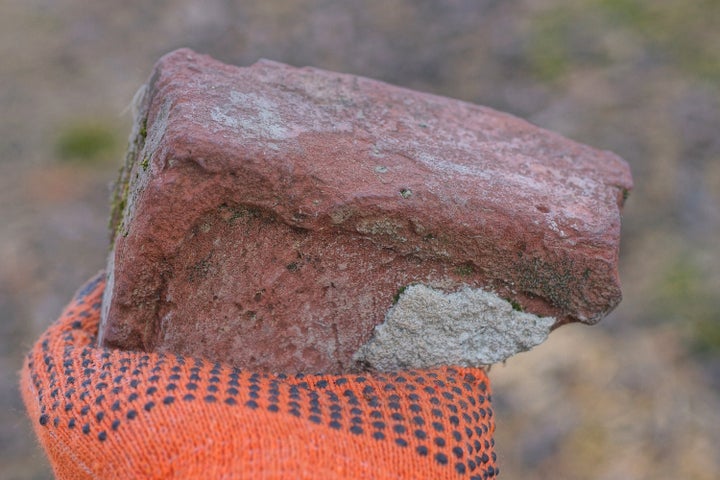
pixel 104 414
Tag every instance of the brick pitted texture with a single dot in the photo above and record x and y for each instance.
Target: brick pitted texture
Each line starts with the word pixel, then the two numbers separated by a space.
pixel 286 208
pixel 102 413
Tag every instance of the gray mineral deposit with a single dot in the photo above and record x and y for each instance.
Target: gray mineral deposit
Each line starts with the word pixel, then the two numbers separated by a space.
pixel 470 327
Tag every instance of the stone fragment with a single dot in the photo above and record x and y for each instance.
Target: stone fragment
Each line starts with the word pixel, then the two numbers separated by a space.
pixel 271 216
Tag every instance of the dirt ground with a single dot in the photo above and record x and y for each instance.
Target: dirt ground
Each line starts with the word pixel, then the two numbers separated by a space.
pixel 635 397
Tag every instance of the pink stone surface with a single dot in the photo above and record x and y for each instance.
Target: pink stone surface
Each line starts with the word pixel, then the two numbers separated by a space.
pixel 269 215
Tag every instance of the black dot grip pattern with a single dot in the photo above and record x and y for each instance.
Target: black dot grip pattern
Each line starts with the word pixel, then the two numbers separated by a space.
pixel 103 413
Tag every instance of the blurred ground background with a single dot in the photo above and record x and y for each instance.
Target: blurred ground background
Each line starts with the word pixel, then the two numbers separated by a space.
pixel 635 397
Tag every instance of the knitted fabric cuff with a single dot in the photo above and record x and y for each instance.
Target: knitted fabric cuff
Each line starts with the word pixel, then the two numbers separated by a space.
pixel 103 413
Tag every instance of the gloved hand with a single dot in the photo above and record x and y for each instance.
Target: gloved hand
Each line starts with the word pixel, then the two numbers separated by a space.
pixel 106 414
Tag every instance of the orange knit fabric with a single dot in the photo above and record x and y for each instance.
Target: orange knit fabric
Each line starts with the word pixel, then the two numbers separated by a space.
pixel 105 414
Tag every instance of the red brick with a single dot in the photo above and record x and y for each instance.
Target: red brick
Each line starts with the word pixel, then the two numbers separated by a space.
pixel 269 215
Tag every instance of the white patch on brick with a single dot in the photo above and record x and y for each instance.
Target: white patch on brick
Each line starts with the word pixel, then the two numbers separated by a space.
pixel 470 327
pixel 253 115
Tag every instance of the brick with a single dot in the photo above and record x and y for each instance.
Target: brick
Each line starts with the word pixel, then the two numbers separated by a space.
pixel 270 216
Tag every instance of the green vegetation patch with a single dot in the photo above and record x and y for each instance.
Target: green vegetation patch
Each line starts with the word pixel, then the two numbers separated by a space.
pixel 686 33
pixel 568 36
pixel 86 143
pixel 400 291
pixel 686 294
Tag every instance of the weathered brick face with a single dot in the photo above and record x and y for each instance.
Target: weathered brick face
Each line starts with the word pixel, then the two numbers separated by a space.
pixel 268 216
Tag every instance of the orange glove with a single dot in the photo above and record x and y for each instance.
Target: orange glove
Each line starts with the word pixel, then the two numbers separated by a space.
pixel 103 413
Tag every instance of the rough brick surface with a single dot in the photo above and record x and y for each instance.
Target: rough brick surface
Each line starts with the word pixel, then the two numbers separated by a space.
pixel 269 215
